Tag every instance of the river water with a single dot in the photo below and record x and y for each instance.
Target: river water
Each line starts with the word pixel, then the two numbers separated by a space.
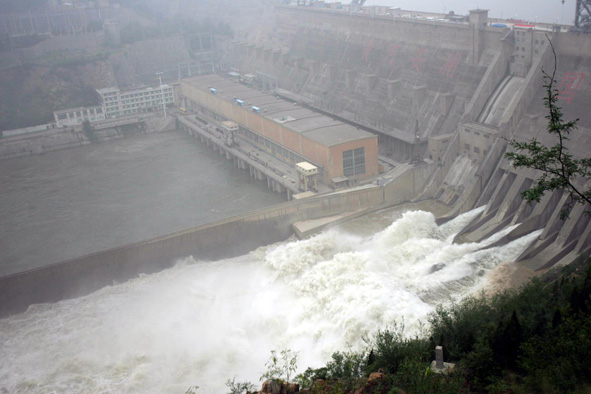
pixel 66 204
pixel 200 323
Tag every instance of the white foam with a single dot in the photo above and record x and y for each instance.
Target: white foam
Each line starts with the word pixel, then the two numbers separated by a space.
pixel 201 323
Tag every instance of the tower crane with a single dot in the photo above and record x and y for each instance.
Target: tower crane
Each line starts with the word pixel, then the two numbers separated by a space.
pixel 582 16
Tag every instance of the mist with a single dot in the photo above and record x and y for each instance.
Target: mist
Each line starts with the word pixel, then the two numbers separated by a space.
pixel 554 11
pixel 203 322
pixel 142 137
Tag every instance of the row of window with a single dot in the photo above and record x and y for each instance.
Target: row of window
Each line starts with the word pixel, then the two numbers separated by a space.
pixel 77 114
pixel 124 96
pixel 477 133
pixel 476 149
pixel 354 162
pixel 114 101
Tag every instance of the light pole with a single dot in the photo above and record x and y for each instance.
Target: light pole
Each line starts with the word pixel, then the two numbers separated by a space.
pixel 161 92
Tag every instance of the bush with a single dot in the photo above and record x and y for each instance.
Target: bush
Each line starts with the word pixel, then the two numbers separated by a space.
pixel 282 366
pixel 239 387
pixel 536 339
pixel 415 376
pixel 389 348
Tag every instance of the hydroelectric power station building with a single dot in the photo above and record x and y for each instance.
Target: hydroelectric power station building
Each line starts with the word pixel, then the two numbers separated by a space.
pixel 289 132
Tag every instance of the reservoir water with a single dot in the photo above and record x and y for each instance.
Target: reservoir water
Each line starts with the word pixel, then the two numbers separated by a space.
pixel 66 204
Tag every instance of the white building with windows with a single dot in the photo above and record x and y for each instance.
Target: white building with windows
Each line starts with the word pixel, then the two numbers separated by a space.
pixel 128 102
pixel 75 116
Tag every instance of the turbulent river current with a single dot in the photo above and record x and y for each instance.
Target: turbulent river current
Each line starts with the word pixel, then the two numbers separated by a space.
pixel 203 322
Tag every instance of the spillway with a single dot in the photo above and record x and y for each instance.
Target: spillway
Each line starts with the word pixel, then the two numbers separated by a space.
pixel 203 322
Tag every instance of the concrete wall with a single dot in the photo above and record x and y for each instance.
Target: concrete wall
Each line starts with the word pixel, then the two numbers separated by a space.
pixel 47 141
pixel 443 35
pixel 476 140
pixel 407 186
pixel 493 76
pixel 571 44
pixel 530 86
pixel 225 238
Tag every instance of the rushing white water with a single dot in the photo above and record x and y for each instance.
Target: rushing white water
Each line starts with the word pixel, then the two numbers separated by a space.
pixel 201 323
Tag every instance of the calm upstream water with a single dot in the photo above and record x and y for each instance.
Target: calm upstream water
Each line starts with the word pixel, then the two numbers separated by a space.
pixel 70 203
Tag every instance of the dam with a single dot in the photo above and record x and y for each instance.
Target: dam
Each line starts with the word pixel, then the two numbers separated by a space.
pixel 440 98
pixel 452 94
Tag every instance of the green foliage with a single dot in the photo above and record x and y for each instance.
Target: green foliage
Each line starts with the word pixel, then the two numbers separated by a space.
pixel 239 387
pixel 342 372
pixel 560 169
pixel 308 377
pixel 415 376
pixel 536 339
pixel 346 368
pixel 389 348
pixel 280 367
pixel 530 333
pixel 345 365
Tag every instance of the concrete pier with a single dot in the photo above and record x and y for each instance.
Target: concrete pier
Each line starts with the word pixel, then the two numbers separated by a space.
pixel 276 181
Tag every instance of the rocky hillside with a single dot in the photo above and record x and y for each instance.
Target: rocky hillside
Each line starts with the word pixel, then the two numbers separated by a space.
pixel 31 93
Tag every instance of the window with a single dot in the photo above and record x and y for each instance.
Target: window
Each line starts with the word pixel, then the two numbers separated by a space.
pixel 354 162
pixel 476 149
pixel 467 146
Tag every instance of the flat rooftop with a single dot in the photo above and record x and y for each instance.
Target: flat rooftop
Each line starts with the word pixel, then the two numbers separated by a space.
pixel 314 126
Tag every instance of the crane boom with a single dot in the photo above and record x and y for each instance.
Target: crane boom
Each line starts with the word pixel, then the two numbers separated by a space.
pixel 583 16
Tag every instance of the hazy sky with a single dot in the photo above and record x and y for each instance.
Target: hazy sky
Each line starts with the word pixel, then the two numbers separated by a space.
pixel 540 10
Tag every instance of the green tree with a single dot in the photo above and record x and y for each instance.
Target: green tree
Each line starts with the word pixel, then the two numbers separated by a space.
pixel 560 170
pixel 282 366
pixel 239 387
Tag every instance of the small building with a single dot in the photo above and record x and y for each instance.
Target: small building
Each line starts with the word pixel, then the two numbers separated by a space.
pixel 285 130
pixel 248 79
pixel 307 176
pixel 230 126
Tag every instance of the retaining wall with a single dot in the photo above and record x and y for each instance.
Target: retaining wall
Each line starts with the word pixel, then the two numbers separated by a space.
pixel 231 237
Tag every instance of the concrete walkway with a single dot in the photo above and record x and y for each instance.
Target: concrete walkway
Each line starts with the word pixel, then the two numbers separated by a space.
pixel 252 154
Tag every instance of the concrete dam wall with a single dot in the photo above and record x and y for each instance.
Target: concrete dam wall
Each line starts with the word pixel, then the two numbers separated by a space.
pixel 444 93
pixel 220 239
